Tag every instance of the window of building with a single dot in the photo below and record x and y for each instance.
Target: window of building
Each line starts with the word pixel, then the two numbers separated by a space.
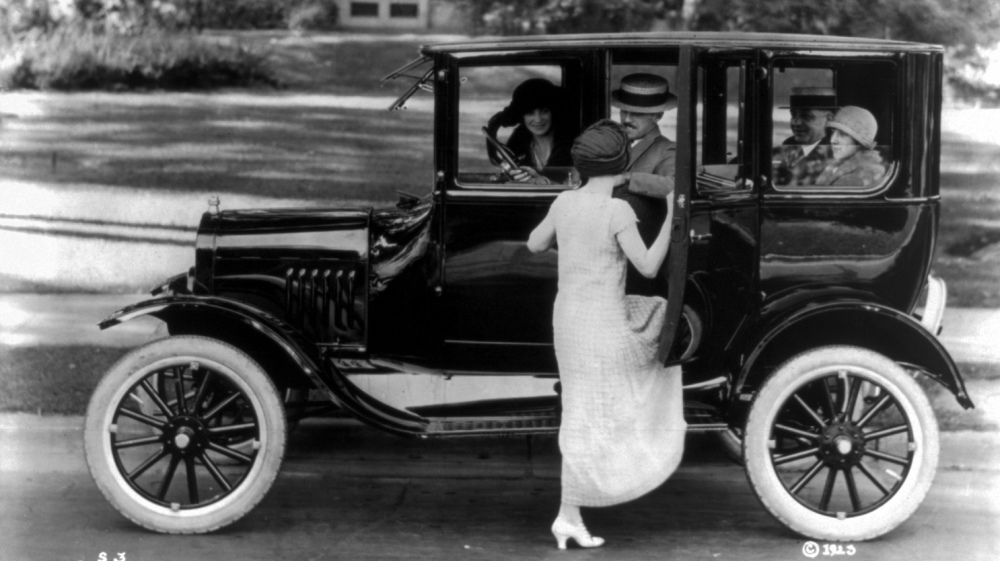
pixel 831 124
pixel 364 9
pixel 403 10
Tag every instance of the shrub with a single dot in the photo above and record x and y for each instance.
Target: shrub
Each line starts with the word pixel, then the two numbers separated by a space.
pixel 241 14
pixel 527 17
pixel 82 58
pixel 313 16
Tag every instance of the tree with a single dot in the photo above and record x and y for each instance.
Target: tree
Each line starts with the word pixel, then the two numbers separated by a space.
pixel 960 23
pixel 526 17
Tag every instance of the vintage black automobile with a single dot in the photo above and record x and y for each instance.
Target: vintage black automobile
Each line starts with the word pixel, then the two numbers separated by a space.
pixel 793 308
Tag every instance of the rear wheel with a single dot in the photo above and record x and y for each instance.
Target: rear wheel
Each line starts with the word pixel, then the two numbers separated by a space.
pixel 841 444
pixel 185 435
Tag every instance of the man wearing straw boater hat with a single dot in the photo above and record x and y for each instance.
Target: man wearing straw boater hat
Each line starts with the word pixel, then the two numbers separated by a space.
pixel 642 99
pixel 802 156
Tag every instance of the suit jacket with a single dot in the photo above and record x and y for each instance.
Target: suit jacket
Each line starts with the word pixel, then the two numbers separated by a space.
pixel 651 164
pixel 794 169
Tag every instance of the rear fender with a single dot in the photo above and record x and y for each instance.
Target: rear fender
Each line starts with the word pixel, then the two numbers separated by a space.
pixel 896 335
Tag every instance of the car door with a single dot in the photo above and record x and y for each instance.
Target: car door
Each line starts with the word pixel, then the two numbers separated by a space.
pixel 723 253
pixel 496 297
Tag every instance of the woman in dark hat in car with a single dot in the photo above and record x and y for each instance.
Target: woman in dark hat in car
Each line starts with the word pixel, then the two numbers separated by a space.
pixel 852 143
pixel 622 429
pixel 541 138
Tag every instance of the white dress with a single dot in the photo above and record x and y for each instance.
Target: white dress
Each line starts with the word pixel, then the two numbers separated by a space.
pixel 622 432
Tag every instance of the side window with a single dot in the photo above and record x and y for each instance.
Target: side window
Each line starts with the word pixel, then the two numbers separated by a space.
pixel 529 114
pixel 720 149
pixel 832 125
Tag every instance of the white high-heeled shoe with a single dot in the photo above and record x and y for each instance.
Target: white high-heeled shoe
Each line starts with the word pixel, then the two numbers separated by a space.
pixel 564 530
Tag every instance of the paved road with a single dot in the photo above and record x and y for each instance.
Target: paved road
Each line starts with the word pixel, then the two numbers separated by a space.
pixel 348 492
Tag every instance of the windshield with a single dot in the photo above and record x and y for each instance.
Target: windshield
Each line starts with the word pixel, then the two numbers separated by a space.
pixel 422 78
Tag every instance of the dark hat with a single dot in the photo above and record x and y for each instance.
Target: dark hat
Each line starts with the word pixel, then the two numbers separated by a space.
pixel 602 149
pixel 644 93
pixel 812 98
pixel 532 94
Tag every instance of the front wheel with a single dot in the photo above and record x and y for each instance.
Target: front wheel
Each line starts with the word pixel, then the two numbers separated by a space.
pixel 841 444
pixel 185 435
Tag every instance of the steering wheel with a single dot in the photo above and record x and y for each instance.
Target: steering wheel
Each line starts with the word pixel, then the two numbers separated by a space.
pixel 501 155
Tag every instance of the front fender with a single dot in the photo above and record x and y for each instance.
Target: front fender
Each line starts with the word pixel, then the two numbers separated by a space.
pixel 275 345
pixel 894 334
pixel 269 340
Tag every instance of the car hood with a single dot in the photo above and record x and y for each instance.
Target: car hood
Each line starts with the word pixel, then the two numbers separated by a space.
pixel 324 231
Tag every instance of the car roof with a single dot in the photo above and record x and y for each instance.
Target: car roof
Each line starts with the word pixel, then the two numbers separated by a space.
pixel 778 41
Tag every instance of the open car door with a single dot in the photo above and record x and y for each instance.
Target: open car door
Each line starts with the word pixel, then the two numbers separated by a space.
pixel 685 175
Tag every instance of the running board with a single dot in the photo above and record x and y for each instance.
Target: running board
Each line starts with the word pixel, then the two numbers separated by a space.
pixel 535 415
pixel 528 415
pixel 507 425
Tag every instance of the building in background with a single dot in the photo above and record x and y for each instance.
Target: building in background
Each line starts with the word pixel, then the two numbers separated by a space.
pixel 384 14
pixel 441 15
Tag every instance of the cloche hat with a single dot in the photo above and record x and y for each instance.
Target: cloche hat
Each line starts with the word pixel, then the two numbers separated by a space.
pixel 856 122
pixel 602 149
pixel 644 93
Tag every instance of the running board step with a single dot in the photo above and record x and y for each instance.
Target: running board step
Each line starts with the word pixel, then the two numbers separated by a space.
pixel 522 424
pixel 526 415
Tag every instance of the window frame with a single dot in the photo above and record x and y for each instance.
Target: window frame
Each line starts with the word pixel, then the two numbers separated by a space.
pixel 575 69
pixel 834 61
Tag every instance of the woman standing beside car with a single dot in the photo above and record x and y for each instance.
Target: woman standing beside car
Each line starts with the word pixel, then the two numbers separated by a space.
pixel 622 428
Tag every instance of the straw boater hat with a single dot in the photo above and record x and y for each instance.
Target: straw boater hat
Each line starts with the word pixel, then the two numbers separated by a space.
pixel 644 93
pixel 812 98
pixel 856 122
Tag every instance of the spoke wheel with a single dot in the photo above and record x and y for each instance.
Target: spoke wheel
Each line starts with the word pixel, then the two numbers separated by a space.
pixel 185 435
pixel 841 444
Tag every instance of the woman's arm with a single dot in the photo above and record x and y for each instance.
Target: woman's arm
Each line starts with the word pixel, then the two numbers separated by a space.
pixel 543 236
pixel 648 260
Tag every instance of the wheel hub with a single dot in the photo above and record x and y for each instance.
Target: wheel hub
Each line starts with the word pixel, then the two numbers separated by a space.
pixel 842 445
pixel 183 437
pixel 186 435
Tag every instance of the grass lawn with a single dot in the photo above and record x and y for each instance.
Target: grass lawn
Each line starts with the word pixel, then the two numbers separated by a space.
pixel 327 138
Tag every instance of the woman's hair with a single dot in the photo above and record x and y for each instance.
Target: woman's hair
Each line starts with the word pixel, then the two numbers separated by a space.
pixel 602 149
pixel 536 93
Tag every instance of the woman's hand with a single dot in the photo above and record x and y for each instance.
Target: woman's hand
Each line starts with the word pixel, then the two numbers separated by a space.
pixel 529 175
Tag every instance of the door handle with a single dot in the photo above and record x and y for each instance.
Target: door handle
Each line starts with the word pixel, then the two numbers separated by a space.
pixel 699 237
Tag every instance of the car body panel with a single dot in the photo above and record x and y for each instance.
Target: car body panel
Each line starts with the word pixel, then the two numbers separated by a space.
pixel 443 285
